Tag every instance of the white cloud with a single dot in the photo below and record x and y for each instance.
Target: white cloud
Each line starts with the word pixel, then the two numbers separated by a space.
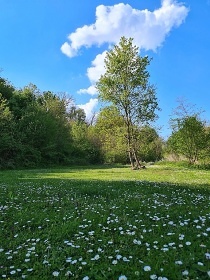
pixel 66 49
pixel 97 69
pixel 148 28
pixel 94 72
pixel 89 107
pixel 91 90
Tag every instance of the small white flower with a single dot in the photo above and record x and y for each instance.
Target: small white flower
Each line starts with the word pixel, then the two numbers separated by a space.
pixel 85 278
pixel 114 262
pixel 122 277
pixel 200 263
pixel 138 242
pixel 68 273
pixel 185 272
pixel 55 273
pixel 147 268
pixel 188 243
pixel 153 276
pixel 30 269
pixel 118 257
pixel 97 257
pixel 207 256
pixel 179 262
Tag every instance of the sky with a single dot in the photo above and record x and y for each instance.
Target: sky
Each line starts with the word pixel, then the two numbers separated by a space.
pixel 60 45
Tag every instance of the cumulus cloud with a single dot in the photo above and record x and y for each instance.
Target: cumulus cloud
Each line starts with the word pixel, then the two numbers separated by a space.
pixel 148 28
pixel 97 69
pixel 91 90
pixel 94 72
pixel 89 107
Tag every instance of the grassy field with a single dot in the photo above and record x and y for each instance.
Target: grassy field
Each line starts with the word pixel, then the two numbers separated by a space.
pixel 105 222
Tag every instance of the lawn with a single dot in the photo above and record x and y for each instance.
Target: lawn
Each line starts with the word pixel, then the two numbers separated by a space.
pixel 105 222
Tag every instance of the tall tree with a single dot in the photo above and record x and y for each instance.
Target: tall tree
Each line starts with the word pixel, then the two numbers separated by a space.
pixel 125 85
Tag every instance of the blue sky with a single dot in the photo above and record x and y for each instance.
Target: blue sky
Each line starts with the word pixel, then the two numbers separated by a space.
pixel 59 45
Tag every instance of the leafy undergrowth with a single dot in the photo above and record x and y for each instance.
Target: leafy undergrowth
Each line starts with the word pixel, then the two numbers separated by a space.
pixel 77 229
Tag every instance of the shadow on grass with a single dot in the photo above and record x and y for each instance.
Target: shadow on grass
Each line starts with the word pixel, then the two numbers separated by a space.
pixel 106 175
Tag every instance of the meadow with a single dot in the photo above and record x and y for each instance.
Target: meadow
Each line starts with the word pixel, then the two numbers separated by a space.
pixel 105 222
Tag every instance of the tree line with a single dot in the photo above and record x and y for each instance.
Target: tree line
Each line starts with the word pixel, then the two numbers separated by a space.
pixel 43 128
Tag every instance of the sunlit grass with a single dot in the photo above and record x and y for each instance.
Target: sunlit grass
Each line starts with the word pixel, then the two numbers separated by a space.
pixel 154 173
pixel 105 223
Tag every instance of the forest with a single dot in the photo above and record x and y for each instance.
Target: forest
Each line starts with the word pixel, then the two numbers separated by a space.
pixel 42 129
pixel 39 129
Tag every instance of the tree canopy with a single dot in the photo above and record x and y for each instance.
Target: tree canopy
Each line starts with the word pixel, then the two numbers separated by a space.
pixel 126 86
pixel 189 137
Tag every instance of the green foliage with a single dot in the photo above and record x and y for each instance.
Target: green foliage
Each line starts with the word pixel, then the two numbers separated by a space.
pixel 77 114
pixel 111 132
pixel 111 129
pixel 8 147
pixel 43 128
pixel 125 85
pixel 189 138
pixel 35 128
pixel 21 99
pixel 6 89
pixel 86 148
pixel 150 145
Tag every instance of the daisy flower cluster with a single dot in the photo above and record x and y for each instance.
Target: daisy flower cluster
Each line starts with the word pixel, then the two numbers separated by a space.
pixel 104 230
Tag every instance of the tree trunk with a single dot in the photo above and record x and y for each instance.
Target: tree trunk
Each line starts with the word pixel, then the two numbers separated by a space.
pixel 130 154
pixel 138 164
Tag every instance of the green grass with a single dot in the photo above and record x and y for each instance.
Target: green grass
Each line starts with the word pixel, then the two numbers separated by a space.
pixel 169 173
pixel 105 222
